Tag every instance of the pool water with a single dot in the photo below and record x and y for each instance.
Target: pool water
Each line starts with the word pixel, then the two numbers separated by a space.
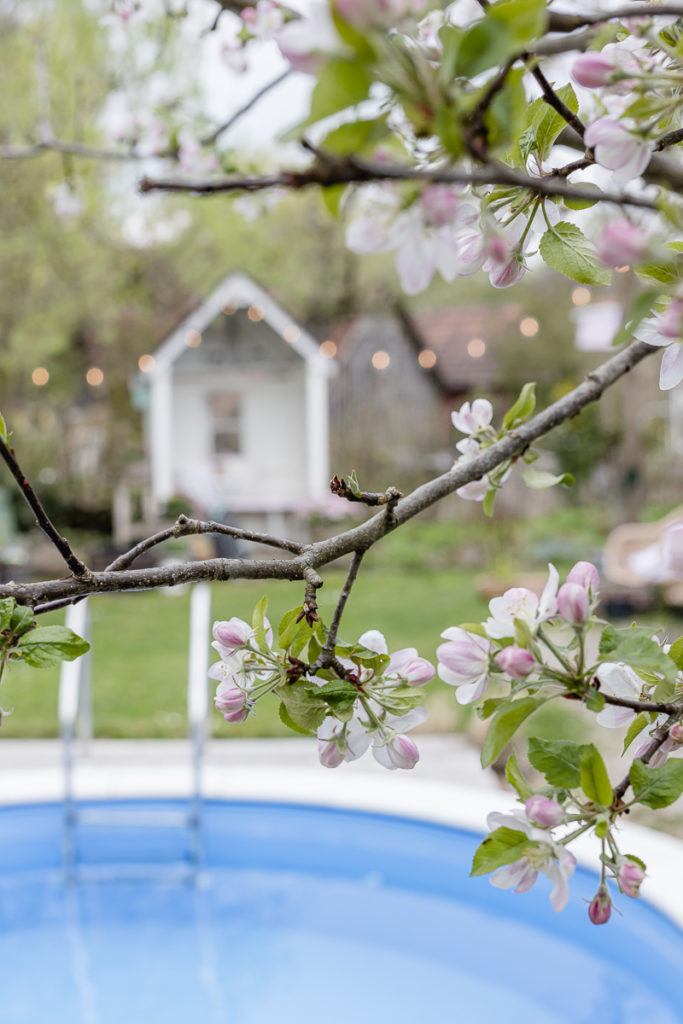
pixel 304 914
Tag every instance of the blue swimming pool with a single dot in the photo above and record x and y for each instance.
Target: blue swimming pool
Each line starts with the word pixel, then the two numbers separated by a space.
pixel 307 914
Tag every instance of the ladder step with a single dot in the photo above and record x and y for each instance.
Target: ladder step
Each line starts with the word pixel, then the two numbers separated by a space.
pixel 140 819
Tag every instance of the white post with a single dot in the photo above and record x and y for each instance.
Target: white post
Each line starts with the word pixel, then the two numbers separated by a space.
pixel 317 431
pixel 161 435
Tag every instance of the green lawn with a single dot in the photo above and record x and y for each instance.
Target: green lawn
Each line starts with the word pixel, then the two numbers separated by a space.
pixel 416 583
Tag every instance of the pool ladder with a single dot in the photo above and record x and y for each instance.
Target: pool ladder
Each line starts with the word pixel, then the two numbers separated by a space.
pixel 76 722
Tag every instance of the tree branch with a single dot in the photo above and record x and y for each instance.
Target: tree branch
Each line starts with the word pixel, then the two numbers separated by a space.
pixel 314 556
pixel 348 171
pixel 659 738
pixel 78 568
pixel 185 527
pixel 666 707
pixel 558 22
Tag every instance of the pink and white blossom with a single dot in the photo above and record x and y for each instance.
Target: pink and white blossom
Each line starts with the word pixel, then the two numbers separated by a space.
pixel 306 41
pixel 618 149
pixel 405 665
pixel 612 66
pixel 630 876
pixel 470 419
pixel 587 576
pixel 620 242
pixel 573 603
pixel 660 330
pixel 522 604
pixel 463 662
pixel 229 637
pixel 390 746
pixel 504 262
pixel 475 490
pixel 544 811
pixel 544 855
pixel 232 702
pixel 516 662
pixel 617 680
pixel 341 741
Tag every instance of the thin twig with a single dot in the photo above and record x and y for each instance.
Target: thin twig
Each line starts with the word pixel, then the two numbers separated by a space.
pixel 209 139
pixel 666 707
pixel 77 567
pixel 558 22
pixel 185 527
pixel 558 104
pixel 327 653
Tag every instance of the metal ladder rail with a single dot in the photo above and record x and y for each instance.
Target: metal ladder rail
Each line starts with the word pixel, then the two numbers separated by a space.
pixel 75 717
pixel 75 705
pixel 198 705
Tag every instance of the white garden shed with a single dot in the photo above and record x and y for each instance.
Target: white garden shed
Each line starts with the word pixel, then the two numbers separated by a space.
pixel 237 408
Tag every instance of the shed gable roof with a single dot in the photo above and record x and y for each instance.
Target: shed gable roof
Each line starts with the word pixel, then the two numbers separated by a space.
pixel 240 291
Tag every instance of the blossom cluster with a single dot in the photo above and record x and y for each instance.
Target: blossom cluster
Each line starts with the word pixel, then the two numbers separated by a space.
pixel 367 698
pixel 533 649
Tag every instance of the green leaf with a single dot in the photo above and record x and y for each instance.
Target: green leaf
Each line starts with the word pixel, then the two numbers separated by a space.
pixel 355 137
pixel 354 486
pixel 676 652
pixel 594 700
pixel 489 501
pixel 525 19
pixel 3 429
pixel 640 308
pixel 505 115
pixel 538 479
pixel 21 619
pixel 7 607
pixel 502 846
pixel 558 760
pixel 635 728
pixel 341 83
pixel 505 724
pixel 657 787
pixel 487 44
pixel 583 204
pixel 332 198
pixel 258 622
pixel 564 247
pixel 636 648
pixel 306 709
pixel 287 720
pixel 594 778
pixel 545 124
pixel 48 645
pixel 522 408
pixel 515 776
pixel 489 706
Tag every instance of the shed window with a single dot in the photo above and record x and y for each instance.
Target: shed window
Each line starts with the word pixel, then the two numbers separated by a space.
pixel 226 418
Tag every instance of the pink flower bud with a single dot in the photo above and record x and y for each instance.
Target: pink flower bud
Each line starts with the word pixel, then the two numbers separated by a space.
pixel 676 734
pixel 621 242
pixel 573 603
pixel 410 667
pixel 629 876
pixel 586 575
pixel 504 275
pixel 232 634
pixel 232 703
pixel 402 751
pixel 593 70
pixel 516 662
pixel 600 907
pixel 543 811
pixel 330 753
pixel 248 15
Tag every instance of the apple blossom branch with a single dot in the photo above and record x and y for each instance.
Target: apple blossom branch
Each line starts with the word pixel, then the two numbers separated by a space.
pixel 76 566
pixel 558 22
pixel 304 565
pixel 352 170
pixel 660 737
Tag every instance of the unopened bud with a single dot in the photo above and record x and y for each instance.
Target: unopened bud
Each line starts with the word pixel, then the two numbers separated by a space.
pixel 402 751
pixel 630 875
pixel 232 703
pixel 516 662
pixel 600 908
pixel 544 811
pixel 573 603
pixel 330 753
